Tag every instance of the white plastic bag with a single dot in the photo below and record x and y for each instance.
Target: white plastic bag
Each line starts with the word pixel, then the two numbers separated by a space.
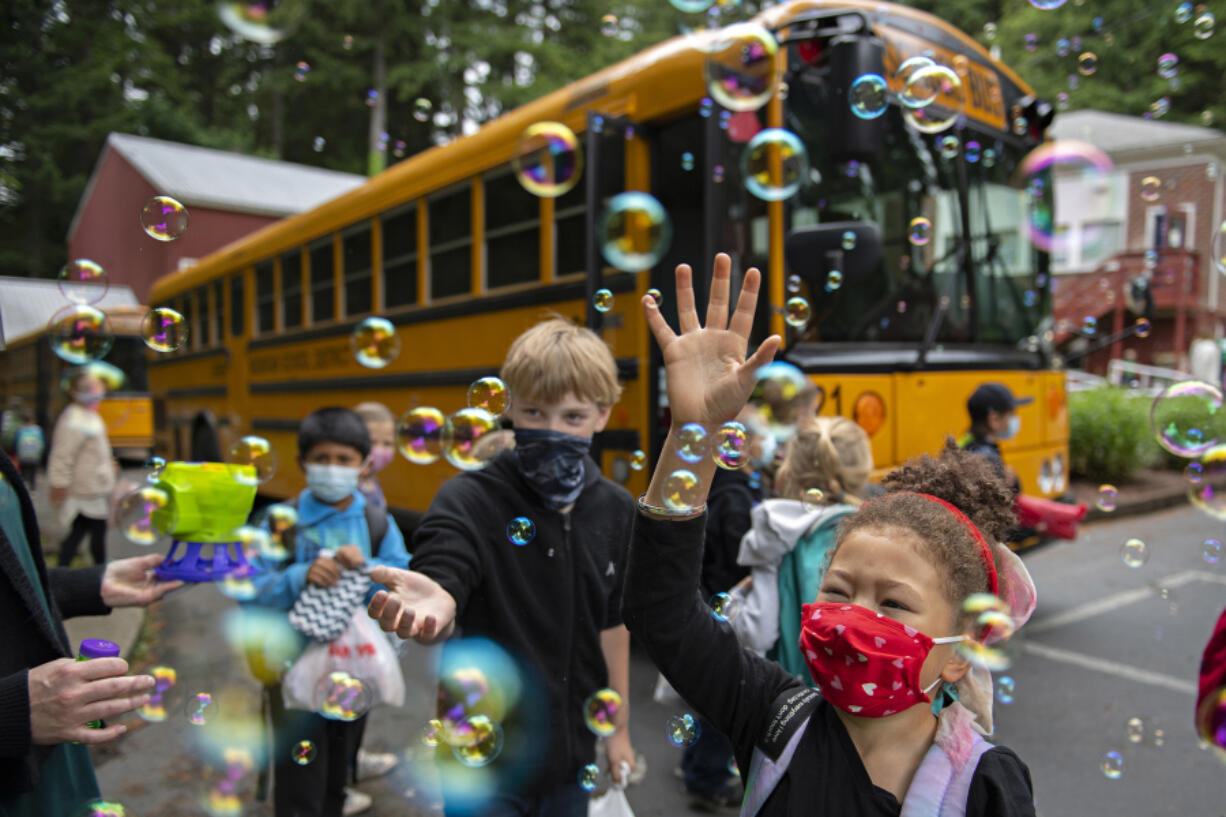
pixel 362 651
pixel 612 803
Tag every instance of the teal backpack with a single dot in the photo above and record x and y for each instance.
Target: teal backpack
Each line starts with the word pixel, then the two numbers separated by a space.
pixel 800 575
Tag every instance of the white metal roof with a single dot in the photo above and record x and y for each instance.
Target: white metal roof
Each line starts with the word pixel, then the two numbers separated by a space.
pixel 1116 133
pixel 204 177
pixel 28 304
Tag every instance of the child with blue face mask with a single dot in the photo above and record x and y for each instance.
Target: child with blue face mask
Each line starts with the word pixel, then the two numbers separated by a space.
pixel 992 408
pixel 551 598
pixel 333 451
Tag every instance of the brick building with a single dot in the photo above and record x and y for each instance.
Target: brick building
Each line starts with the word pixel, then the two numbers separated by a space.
pixel 228 195
pixel 1149 221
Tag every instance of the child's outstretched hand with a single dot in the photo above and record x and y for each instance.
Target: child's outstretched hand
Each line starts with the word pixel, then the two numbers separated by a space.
pixel 709 378
pixel 417 606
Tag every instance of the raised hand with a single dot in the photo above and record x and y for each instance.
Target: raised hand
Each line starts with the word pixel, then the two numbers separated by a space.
pixel 709 378
pixel 416 607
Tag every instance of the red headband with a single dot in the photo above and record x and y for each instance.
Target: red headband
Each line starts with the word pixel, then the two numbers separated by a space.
pixel 985 552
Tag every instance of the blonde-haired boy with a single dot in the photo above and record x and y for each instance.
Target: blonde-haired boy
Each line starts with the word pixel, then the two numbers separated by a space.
pixel 553 602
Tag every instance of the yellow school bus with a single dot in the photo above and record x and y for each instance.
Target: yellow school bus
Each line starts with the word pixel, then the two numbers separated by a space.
pixel 460 258
pixel 31 375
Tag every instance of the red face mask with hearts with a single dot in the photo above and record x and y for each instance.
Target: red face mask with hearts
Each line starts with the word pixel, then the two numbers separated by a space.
pixel 865 663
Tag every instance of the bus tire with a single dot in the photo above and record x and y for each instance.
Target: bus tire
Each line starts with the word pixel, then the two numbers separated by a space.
pixel 205 445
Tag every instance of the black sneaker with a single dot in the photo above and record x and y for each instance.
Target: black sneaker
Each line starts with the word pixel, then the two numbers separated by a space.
pixel 728 796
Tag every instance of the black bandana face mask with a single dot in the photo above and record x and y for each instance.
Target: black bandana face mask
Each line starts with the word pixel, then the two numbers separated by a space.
pixel 552 463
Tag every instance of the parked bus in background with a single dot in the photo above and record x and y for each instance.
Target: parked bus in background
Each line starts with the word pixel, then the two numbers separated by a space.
pixel 909 246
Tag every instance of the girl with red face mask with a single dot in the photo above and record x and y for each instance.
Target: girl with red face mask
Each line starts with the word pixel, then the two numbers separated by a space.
pixel 896 724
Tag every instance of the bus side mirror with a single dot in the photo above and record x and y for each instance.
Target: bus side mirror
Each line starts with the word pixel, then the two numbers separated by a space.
pixel 814 252
pixel 852 56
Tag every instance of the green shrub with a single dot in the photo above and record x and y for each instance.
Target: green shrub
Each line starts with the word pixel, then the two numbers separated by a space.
pixel 1109 435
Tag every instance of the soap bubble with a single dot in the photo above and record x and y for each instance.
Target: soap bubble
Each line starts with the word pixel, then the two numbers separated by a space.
pixel 488 393
pixel 687 161
pixel 656 295
pixel 164 681
pixel 253 540
pixel 264 21
pixel 419 435
pixel 717 173
pixel 1187 418
pixel 1112 765
pixel 1134 553
pixel 933 98
pixel 813 499
pixel 1135 730
pixel 834 280
pixel 1141 328
pixel 724 606
pixel 145 514
pixel 600 711
pixel 635 231
pixel 1208 495
pixel 79 334
pixel 303 753
pixel 432 732
pixel 83 281
pixel 925 84
pixel 588 776
pixel 104 808
pixel 256 452
pixel 731 446
pixel 868 96
pixel 950 146
pixel 1151 188
pixel 990 626
pixel 638 460
pixel 774 164
pixel 1078 161
pixel 1031 41
pixel 692 6
pixel 682 730
pixel 849 240
pixel 200 708
pixel 1183 13
pixel 483 744
pixel 1168 66
pixel 460 435
pixel 374 342
pixel 548 160
pixel 1005 686
pixel 163 329
pixel 608 25
pixel 692 442
pixel 740 67
pixel 1089 325
pixel 1211 550
pixel 1202 29
pixel 318 144
pixel 797 312
pixel 1087 63
pixel 602 300
pixel 681 490
pixel 521 530
pixel 1106 497
pixel 422 108
pixel 163 218
pixel 1047 5
pixel 340 696
pixel 155 466
pixel 919 232
pixel 301 71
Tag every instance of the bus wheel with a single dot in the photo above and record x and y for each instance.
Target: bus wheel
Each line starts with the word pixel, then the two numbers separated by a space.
pixel 205 447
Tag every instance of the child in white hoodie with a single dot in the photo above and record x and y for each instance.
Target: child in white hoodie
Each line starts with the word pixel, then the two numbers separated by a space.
pixel 822 478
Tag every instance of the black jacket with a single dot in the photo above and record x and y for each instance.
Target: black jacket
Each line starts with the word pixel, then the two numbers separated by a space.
pixel 729 503
pixel 28 639
pixel 737 691
pixel 546 602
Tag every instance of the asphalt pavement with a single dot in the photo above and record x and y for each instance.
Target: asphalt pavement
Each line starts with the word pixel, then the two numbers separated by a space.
pixel 1109 643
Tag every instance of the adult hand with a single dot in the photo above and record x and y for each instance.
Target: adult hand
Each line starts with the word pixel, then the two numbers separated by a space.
pixel 66 694
pixel 58 495
pixel 349 557
pixel 709 378
pixel 619 751
pixel 417 606
pixel 323 572
pixel 131 583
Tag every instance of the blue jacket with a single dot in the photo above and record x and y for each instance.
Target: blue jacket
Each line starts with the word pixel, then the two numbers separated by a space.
pixel 321 526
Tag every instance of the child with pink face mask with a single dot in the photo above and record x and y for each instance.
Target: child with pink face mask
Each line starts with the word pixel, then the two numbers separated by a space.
pixel 381 424
pixel 898 720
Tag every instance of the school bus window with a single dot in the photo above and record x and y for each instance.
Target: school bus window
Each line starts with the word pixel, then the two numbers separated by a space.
pixel 512 231
pixel 450 243
pixel 237 316
pixel 400 258
pixel 355 246
pixel 183 306
pixel 265 299
pixel 323 308
pixel 571 234
pixel 203 318
pixel 219 304
pixel 291 289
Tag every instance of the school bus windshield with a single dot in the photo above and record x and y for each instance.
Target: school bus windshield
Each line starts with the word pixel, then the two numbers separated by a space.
pixel 974 254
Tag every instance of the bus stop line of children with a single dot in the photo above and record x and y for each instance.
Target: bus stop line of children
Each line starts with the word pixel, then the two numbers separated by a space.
pixel 836 690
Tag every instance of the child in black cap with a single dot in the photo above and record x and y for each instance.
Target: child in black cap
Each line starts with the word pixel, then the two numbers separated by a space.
pixel 993 411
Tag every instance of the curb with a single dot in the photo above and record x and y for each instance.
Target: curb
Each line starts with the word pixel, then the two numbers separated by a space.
pixel 1159 502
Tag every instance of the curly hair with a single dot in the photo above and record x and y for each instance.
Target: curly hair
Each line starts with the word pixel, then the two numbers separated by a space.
pixel 831 454
pixel 966 481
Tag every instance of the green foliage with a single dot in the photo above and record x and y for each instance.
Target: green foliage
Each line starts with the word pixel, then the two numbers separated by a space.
pixel 1109 434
